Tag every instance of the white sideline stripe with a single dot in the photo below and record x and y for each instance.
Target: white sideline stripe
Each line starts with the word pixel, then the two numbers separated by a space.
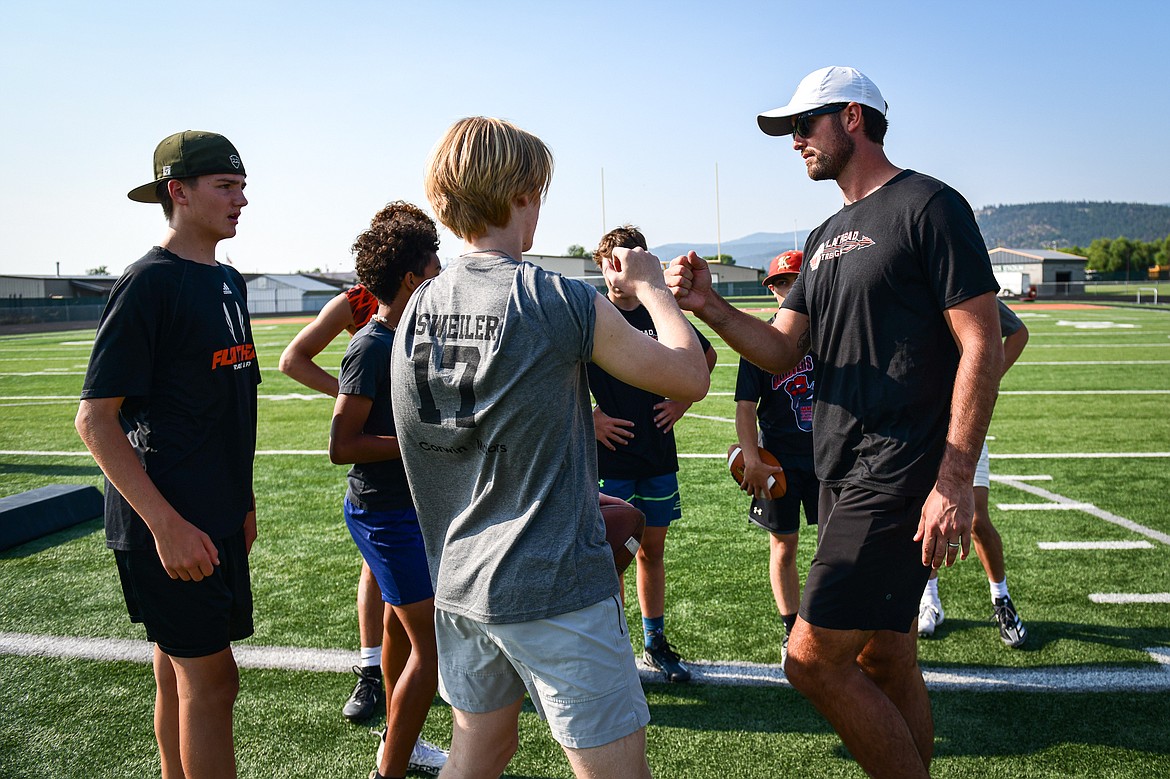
pixel 1038 477
pixel 712 419
pixel 1130 597
pixel 1039 492
pixel 1096 362
pixel 1044 506
pixel 1076 456
pixel 1059 679
pixel 1059 545
pixel 1085 392
pixel 699 456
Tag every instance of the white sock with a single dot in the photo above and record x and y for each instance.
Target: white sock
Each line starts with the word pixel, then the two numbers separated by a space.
pixel 998 589
pixel 370 656
pixel 932 587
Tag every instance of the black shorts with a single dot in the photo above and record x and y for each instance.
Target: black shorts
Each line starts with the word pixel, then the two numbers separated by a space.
pixel 867 573
pixel 189 619
pixel 782 515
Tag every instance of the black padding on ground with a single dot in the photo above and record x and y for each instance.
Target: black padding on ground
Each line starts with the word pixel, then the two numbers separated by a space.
pixel 45 510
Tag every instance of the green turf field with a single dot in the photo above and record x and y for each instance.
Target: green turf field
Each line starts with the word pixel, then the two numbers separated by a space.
pixel 1082 428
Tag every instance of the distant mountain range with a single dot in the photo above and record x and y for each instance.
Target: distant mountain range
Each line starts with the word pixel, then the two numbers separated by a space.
pixel 1026 226
pixel 1057 225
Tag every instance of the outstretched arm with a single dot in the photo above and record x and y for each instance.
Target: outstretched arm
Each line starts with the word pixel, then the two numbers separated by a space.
pixel 674 366
pixel 296 361
pixel 775 348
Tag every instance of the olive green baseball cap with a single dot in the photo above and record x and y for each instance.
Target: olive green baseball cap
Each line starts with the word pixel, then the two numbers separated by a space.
pixel 186 154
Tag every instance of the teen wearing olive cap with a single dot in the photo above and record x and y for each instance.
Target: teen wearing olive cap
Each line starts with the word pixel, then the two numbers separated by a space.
pixel 783 405
pixel 168 410
pixel 897 299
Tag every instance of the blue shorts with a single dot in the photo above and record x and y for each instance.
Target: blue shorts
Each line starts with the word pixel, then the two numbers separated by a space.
pixel 392 545
pixel 189 618
pixel 657 497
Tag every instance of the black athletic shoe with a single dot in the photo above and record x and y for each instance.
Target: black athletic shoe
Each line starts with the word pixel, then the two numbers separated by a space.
pixel 366 696
pixel 660 655
pixel 1011 628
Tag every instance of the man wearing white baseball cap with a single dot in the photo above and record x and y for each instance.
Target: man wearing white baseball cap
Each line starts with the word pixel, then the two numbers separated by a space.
pixel 897 298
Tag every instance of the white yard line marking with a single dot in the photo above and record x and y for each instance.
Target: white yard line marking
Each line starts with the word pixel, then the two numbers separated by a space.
pixel 1044 506
pixel 710 419
pixel 1057 679
pixel 1095 362
pixel 1130 597
pixel 1086 392
pixel 1072 545
pixel 1088 508
pixel 1077 456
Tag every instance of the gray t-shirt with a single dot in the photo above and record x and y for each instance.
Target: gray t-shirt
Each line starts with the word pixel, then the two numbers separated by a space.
pixel 491 403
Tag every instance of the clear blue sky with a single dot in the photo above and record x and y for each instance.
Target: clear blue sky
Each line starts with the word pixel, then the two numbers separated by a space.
pixel 334 108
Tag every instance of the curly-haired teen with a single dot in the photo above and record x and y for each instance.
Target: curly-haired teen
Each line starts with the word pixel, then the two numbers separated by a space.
pixel 394 256
pixel 350 311
pixel 491 402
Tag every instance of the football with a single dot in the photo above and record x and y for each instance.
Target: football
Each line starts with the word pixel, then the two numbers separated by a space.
pixel 623 529
pixel 777 484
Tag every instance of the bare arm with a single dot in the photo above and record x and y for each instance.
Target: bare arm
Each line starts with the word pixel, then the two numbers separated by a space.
pixel 755 471
pixel 348 443
pixel 296 361
pixel 946 515
pixel 611 431
pixel 1013 346
pixel 674 365
pixel 775 348
pixel 186 552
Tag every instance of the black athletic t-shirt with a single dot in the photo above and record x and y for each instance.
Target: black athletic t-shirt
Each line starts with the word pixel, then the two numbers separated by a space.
pixel 650 452
pixel 876 279
pixel 175 341
pixel 365 371
pixel 784 408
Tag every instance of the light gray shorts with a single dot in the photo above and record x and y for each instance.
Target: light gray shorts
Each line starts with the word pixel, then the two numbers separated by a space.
pixel 577 668
pixel 983 469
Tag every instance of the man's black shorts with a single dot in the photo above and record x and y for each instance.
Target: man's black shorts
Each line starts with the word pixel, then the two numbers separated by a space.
pixel 782 515
pixel 189 619
pixel 867 573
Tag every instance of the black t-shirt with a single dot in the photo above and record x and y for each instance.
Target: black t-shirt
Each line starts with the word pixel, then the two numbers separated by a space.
pixel 876 279
pixel 650 452
pixel 175 341
pixel 784 408
pixel 365 371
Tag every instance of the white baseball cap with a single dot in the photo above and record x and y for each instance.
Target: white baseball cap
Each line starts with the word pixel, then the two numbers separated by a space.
pixel 834 84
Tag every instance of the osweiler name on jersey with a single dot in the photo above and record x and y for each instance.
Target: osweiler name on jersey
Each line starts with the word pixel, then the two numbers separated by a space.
pixel 238 356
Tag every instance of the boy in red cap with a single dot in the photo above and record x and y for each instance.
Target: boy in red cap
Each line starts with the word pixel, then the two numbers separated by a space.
pixel 783 405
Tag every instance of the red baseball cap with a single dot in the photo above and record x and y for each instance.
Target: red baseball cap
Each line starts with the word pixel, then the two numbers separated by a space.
pixel 785 262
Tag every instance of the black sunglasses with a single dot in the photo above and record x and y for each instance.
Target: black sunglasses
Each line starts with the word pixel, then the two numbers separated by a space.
pixel 800 122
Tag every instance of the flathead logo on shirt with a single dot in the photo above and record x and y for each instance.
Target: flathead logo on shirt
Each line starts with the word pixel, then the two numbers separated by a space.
pixel 241 355
pixel 839 246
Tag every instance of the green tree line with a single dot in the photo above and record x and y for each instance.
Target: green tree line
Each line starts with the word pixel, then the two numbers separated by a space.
pixel 1113 255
